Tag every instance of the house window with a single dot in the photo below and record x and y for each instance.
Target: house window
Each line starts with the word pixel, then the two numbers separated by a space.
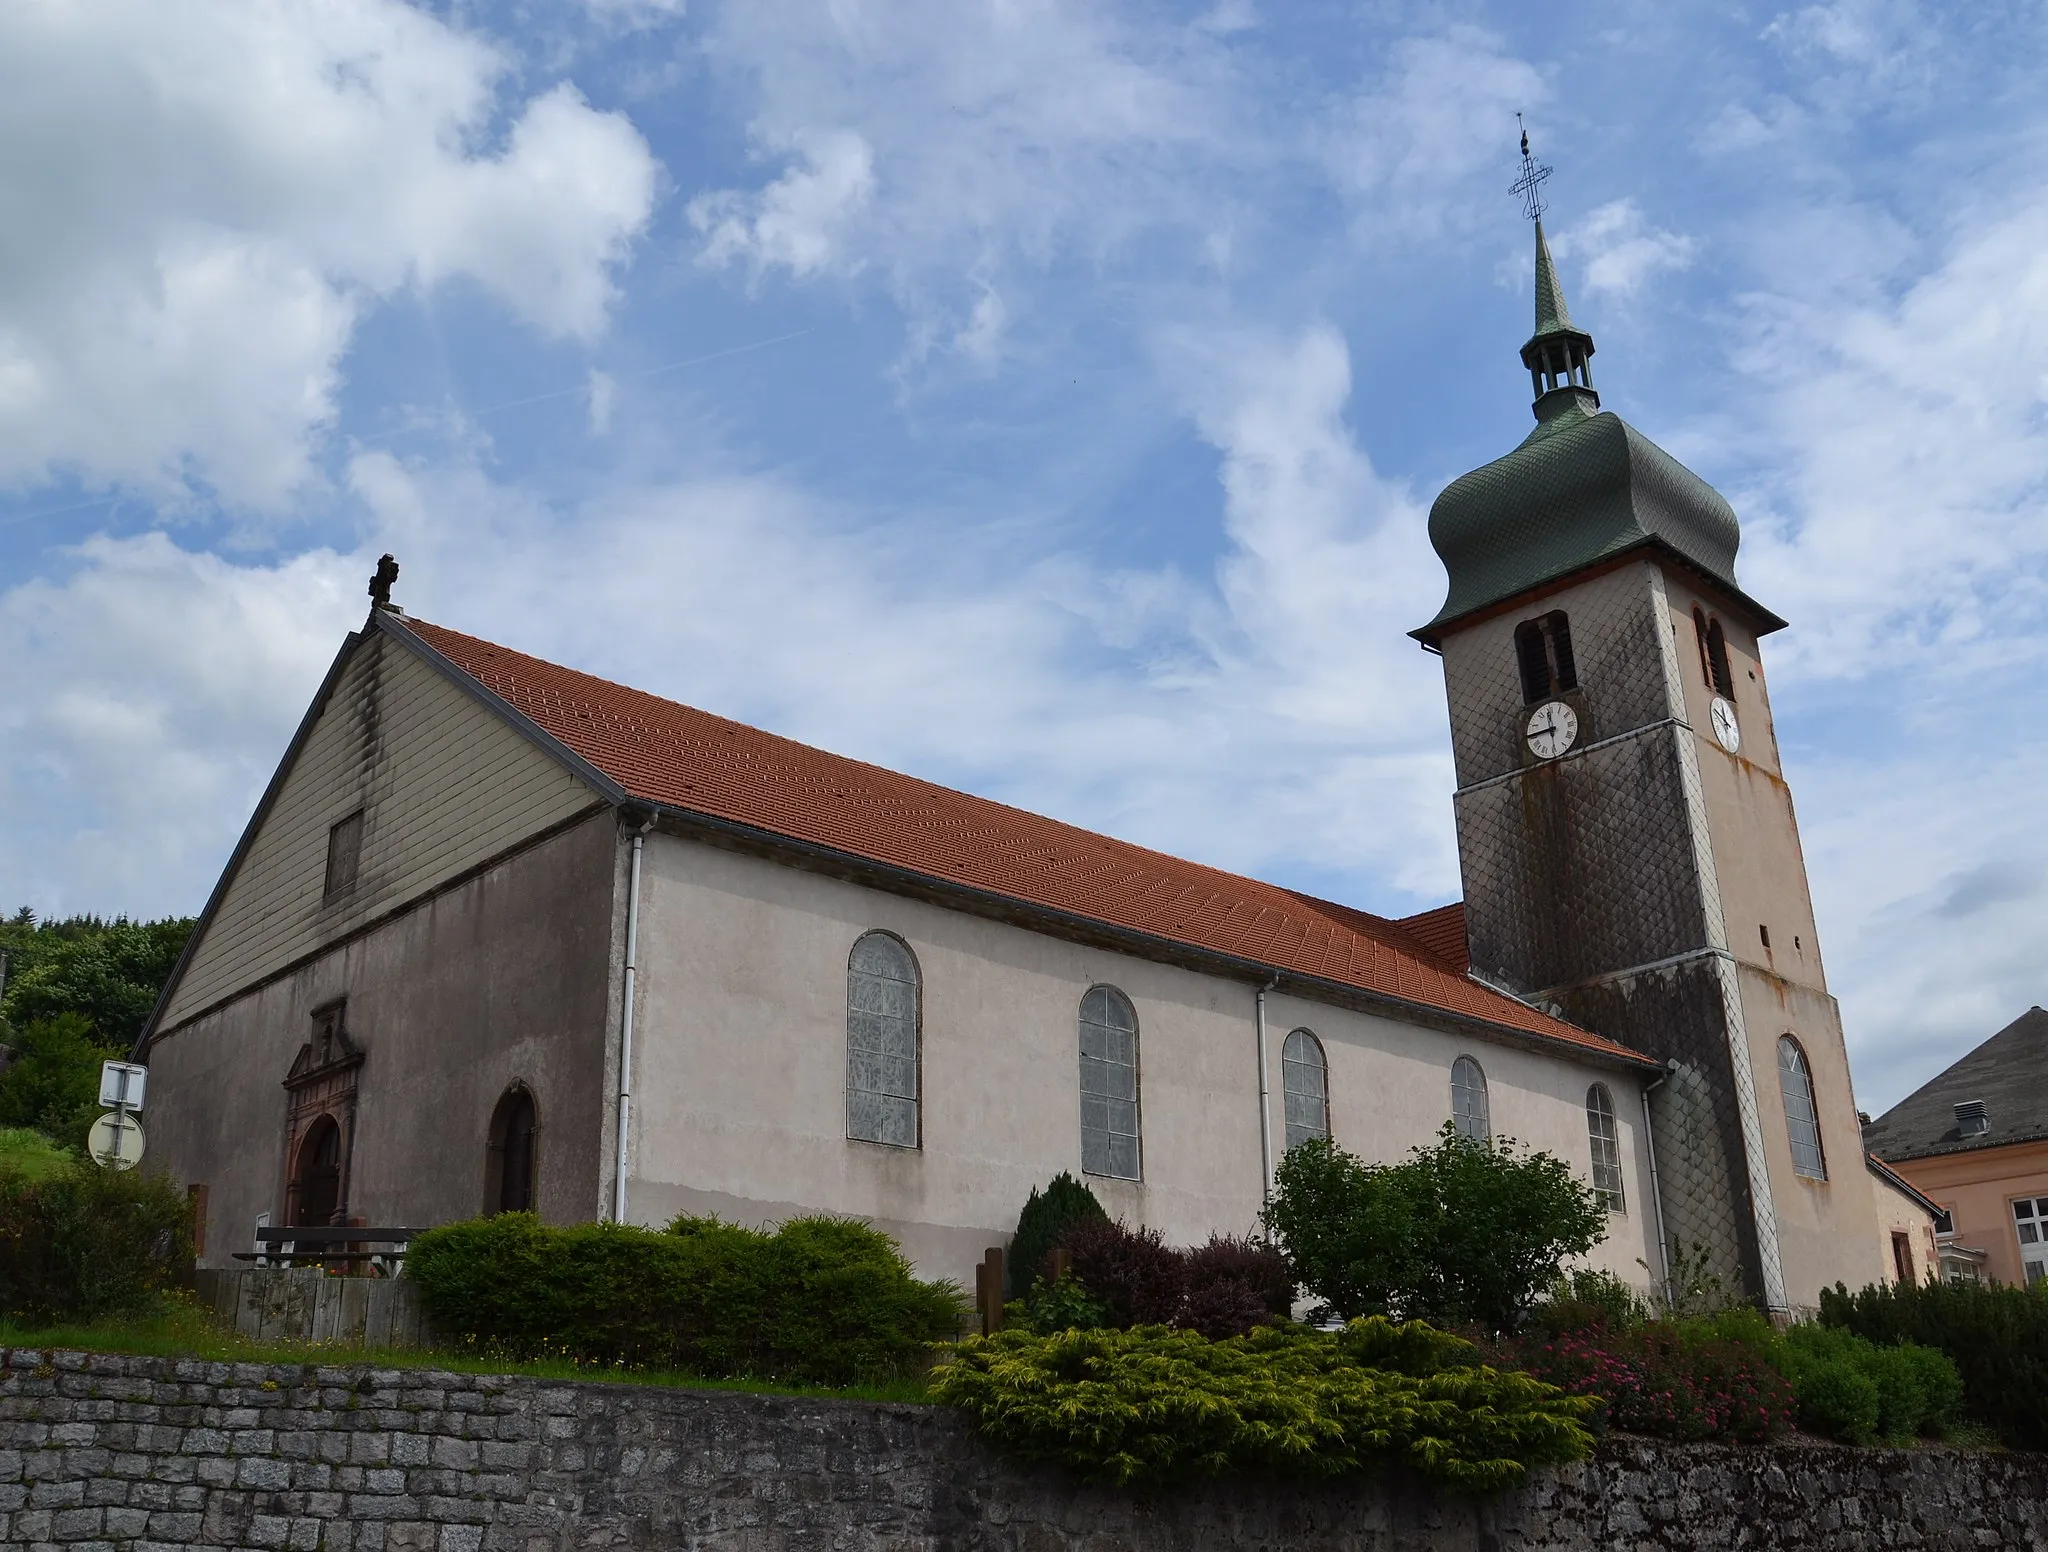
pixel 2030 1219
pixel 1543 646
pixel 1109 1085
pixel 1606 1143
pixel 1468 1100
pixel 344 854
pixel 1802 1121
pixel 1305 1086
pixel 1713 645
pixel 511 1181
pixel 881 1042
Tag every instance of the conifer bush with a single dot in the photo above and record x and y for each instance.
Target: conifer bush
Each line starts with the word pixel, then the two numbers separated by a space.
pixel 1157 1405
pixel 1047 1214
pixel 822 1301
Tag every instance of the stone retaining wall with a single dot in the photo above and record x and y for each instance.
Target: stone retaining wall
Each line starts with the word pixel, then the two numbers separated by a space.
pixel 135 1453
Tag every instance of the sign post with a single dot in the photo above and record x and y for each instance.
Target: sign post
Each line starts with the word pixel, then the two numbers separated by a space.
pixel 116 1140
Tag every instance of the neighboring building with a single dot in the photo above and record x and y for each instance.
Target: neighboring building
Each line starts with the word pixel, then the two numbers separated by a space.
pixel 1909 1222
pixel 503 934
pixel 1975 1140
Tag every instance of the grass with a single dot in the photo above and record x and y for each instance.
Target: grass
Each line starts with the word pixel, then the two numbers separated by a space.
pixel 27 1152
pixel 185 1330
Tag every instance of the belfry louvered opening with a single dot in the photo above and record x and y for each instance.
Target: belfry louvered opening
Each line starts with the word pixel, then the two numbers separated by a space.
pixel 1543 647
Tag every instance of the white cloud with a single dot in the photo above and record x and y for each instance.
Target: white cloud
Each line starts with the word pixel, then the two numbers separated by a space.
pixel 940 143
pixel 1251 719
pixel 148 697
pixel 1619 251
pixel 1442 110
pixel 203 196
pixel 799 221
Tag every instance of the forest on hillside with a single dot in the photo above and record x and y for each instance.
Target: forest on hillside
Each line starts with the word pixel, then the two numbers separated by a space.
pixel 74 992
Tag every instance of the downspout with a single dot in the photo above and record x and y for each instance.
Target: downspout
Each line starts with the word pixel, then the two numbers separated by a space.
pixel 1657 1191
pixel 1265 1102
pixel 626 1018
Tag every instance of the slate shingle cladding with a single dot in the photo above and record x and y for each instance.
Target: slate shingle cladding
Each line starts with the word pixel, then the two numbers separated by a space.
pixel 2008 1072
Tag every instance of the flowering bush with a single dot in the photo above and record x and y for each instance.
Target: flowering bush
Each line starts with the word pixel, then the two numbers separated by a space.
pixel 1666 1381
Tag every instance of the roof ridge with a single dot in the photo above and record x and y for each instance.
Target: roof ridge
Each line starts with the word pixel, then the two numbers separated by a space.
pixel 690 760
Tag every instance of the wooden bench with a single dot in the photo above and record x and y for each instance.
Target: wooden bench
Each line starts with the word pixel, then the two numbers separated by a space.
pixel 381 1250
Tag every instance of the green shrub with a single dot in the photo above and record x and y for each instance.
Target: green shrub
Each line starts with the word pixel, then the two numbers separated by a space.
pixel 1461 1233
pixel 1410 1347
pixel 80 1242
pixel 53 1082
pixel 1853 1390
pixel 1156 1405
pixel 1061 1305
pixel 1997 1337
pixel 1046 1215
pixel 1588 1300
pixel 821 1301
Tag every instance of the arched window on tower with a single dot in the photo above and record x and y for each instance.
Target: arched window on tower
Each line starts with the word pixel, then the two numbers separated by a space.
pixel 1713 643
pixel 512 1158
pixel 1606 1141
pixel 882 1042
pixel 1469 1112
pixel 1109 1085
pixel 316 1176
pixel 1305 1087
pixel 1543 647
pixel 1802 1117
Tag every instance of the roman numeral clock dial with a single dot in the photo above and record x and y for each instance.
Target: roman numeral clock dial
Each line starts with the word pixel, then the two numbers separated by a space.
pixel 1552 729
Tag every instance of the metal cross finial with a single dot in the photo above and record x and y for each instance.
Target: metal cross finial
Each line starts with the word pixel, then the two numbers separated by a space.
pixel 1530 184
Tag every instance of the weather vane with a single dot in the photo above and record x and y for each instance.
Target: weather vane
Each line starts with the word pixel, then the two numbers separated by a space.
pixel 1530 184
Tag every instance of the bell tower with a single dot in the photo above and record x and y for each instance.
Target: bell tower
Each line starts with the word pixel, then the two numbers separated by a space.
pixel 1627 840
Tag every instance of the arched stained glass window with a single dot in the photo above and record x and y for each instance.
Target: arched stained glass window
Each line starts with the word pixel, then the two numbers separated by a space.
pixel 1305 1087
pixel 1802 1119
pixel 881 1042
pixel 1109 1085
pixel 1468 1100
pixel 1606 1141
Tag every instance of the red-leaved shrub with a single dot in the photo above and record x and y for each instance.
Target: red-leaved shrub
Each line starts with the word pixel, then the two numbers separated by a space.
pixel 1223 1288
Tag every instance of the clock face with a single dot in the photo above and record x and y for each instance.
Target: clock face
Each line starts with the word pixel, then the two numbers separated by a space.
pixel 1552 728
pixel 1726 728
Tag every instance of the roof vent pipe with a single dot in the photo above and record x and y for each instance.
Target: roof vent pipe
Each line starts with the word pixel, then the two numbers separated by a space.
pixel 1971 1120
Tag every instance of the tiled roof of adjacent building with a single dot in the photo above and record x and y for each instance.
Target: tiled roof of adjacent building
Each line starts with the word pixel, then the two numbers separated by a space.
pixel 2008 1072
pixel 681 759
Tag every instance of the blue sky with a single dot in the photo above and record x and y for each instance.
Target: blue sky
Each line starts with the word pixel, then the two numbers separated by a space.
pixel 1045 398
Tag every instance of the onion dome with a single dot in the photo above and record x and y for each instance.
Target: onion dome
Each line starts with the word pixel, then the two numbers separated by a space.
pixel 1583 488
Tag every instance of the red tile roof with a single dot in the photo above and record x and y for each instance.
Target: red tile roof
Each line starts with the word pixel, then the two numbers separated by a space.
pixel 668 754
pixel 1442 932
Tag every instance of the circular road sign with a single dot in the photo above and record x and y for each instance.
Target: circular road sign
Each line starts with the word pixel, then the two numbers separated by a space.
pixel 116 1140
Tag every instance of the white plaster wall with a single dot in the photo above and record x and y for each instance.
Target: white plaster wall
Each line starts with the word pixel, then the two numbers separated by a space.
pixel 740 1068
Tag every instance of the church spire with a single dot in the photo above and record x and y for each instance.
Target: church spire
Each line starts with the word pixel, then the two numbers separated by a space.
pixel 1559 354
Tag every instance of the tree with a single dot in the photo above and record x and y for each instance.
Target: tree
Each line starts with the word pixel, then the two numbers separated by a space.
pixel 109 973
pixel 1460 1233
pixel 53 1082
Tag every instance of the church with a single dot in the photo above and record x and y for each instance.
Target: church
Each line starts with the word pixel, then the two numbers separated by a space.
pixel 502 935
